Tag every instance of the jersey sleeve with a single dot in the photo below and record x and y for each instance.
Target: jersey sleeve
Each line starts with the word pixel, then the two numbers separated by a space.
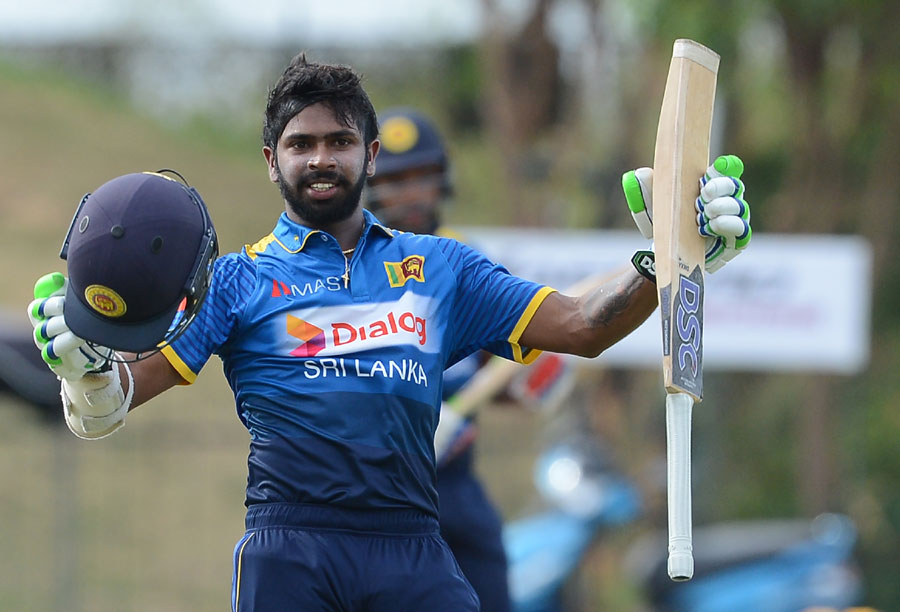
pixel 492 307
pixel 232 282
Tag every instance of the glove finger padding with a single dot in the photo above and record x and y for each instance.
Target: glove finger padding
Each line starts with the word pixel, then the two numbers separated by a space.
pixel 728 228
pixel 713 187
pixel 67 355
pixel 723 206
pixel 44 308
pixel 638 188
pixel 723 215
pixel 47 329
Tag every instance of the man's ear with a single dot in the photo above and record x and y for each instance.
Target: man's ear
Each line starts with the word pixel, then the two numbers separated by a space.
pixel 271 162
pixel 372 154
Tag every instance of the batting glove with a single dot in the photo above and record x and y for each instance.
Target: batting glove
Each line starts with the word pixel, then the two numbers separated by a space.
pixel 723 216
pixel 67 355
pixel 94 402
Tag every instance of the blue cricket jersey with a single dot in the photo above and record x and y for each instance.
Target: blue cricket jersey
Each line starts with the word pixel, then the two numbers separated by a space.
pixel 336 365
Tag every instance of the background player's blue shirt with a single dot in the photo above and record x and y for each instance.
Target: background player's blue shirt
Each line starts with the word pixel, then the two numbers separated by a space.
pixel 339 382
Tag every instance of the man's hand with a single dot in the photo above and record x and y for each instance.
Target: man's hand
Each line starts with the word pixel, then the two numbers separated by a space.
pixel 67 355
pixel 723 217
pixel 94 403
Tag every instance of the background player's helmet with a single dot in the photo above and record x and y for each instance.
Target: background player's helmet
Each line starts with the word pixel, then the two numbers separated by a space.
pixel 140 253
pixel 409 142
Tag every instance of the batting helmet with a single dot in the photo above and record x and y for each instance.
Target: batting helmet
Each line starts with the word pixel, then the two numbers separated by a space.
pixel 409 140
pixel 139 247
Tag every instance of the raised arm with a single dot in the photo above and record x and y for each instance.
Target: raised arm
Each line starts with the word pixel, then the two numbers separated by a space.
pixel 609 309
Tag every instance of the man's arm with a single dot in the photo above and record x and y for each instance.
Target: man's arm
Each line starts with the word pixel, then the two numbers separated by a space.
pixel 152 376
pixel 590 323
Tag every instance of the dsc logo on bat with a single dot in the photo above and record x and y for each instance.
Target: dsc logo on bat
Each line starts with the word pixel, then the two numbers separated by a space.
pixel 689 302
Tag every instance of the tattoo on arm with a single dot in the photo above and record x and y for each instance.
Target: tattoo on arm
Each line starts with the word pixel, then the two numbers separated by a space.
pixel 609 303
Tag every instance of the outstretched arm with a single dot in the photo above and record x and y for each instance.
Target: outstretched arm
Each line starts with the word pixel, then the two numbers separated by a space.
pixel 608 310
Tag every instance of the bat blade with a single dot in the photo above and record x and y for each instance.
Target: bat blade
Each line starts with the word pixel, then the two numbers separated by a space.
pixel 680 159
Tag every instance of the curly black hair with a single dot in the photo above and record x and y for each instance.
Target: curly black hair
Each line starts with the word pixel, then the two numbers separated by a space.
pixel 304 83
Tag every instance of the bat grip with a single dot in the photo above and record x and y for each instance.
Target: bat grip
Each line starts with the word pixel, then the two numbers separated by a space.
pixel 678 451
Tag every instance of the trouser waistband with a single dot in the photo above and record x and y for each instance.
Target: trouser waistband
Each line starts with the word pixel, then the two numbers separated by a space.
pixel 388 520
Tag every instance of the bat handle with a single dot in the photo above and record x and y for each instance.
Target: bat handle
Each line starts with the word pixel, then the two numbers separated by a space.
pixel 678 451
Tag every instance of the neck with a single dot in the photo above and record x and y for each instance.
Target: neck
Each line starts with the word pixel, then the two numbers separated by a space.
pixel 346 231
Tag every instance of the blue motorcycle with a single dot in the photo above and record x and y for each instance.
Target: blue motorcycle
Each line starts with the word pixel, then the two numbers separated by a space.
pixel 765 566
pixel 584 496
pixel 775 566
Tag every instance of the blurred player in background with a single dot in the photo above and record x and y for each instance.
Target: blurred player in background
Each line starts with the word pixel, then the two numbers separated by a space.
pixel 413 184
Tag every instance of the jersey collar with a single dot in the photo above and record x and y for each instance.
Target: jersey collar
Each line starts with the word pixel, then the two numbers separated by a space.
pixel 292 237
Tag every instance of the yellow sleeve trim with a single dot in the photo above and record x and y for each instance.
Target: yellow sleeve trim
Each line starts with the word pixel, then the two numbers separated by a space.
pixel 524 320
pixel 181 367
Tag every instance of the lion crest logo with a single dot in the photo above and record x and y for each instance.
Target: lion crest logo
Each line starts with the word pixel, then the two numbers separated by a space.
pixel 411 268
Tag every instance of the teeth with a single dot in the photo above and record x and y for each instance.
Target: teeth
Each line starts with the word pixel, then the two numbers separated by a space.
pixel 322 186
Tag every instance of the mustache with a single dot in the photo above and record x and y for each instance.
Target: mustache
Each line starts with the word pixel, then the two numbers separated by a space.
pixel 316 177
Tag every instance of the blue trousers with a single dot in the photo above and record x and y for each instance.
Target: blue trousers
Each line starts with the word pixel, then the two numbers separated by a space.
pixel 302 558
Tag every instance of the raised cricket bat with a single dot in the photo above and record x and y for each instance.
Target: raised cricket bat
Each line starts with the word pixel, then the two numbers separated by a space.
pixel 680 159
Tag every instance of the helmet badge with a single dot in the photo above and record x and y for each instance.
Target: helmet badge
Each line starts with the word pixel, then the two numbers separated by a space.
pixel 399 134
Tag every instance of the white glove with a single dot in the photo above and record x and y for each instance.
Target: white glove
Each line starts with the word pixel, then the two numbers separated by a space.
pixel 453 433
pixel 94 403
pixel 67 355
pixel 723 217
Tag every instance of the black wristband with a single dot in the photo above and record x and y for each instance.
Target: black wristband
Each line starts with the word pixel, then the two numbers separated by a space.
pixel 645 263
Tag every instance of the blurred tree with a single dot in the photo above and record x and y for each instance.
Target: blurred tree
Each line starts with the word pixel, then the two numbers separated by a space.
pixel 523 98
pixel 815 110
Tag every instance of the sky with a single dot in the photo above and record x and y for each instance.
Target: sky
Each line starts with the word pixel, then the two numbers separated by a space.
pixel 342 22
pixel 203 26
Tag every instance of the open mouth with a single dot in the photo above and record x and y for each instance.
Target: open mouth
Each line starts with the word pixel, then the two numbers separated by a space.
pixel 322 190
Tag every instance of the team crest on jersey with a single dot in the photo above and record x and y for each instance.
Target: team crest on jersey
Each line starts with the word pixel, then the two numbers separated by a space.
pixel 399 272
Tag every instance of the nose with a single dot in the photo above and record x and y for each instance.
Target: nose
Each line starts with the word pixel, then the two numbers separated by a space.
pixel 321 158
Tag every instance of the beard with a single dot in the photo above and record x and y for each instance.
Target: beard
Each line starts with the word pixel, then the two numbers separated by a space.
pixel 322 212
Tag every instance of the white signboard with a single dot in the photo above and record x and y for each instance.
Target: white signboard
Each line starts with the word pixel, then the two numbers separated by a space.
pixel 789 303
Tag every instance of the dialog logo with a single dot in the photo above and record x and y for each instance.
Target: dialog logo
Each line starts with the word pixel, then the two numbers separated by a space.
pixel 312 337
pixel 399 272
